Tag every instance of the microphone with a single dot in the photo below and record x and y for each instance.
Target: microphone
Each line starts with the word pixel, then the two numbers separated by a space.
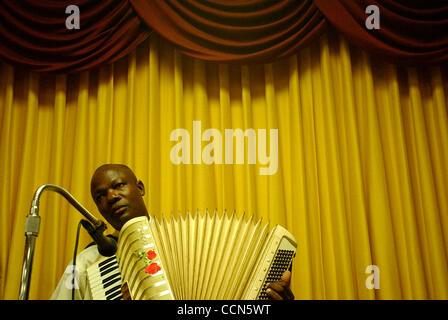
pixel 107 246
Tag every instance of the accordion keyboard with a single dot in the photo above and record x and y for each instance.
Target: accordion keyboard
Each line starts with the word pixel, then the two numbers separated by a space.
pixel 105 279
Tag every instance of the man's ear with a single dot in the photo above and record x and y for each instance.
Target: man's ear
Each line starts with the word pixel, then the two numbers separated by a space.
pixel 141 187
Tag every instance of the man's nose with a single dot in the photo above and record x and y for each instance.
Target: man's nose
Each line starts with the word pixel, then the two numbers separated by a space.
pixel 112 196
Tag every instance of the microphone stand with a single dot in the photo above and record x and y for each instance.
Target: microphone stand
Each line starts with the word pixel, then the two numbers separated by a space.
pixel 32 230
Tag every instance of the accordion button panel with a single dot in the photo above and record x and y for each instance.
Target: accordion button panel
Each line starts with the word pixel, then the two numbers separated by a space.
pixel 280 249
pixel 279 265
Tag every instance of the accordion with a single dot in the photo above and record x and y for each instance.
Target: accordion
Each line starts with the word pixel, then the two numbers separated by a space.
pixel 202 257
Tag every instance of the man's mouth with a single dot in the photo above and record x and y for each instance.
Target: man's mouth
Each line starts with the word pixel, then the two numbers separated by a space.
pixel 119 209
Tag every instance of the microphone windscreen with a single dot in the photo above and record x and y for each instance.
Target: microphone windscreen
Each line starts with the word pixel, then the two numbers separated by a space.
pixel 107 246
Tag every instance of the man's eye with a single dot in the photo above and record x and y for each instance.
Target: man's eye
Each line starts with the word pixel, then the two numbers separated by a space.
pixel 119 185
pixel 98 197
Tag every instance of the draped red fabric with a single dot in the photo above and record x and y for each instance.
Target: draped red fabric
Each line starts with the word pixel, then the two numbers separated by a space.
pixel 243 31
pixel 33 33
pixel 412 32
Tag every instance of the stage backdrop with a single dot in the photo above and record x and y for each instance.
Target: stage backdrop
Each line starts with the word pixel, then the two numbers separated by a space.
pixel 360 179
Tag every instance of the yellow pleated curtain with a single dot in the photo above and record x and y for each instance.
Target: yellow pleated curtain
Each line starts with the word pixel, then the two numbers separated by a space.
pixel 362 160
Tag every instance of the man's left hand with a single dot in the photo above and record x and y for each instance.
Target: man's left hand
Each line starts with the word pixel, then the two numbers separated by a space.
pixel 280 290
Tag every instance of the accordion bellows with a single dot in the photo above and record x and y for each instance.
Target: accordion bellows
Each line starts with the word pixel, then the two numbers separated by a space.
pixel 202 257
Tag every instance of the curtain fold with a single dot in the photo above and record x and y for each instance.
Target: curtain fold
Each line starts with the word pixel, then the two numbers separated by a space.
pixel 33 34
pixel 240 31
pixel 362 154
pixel 410 32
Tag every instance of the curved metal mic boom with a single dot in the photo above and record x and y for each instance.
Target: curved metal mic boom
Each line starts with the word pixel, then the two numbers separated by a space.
pixel 32 230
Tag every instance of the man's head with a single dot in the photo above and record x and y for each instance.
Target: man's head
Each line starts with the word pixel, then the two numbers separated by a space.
pixel 118 194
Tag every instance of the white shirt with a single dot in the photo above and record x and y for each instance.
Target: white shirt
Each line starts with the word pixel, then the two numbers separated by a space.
pixel 84 260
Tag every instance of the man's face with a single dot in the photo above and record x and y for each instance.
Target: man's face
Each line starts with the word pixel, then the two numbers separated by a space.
pixel 118 195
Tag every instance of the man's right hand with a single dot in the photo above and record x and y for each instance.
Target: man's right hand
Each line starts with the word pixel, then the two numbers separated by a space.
pixel 125 292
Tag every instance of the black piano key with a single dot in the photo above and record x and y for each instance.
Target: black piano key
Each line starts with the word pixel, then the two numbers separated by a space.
pixel 115 296
pixel 113 289
pixel 102 263
pixel 112 281
pixel 106 266
pixel 104 272
pixel 110 277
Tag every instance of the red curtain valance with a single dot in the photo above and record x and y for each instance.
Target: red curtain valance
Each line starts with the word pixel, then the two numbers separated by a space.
pixel 33 32
pixel 412 32
pixel 247 31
